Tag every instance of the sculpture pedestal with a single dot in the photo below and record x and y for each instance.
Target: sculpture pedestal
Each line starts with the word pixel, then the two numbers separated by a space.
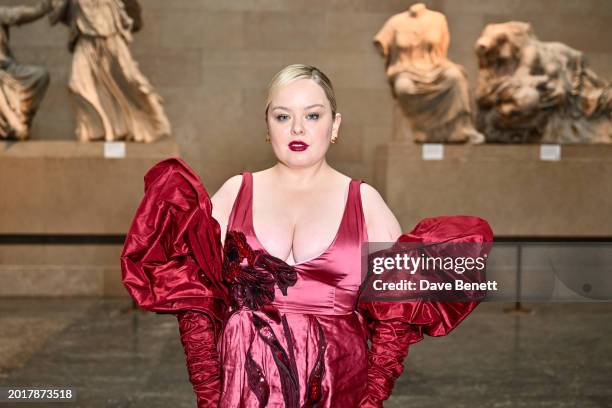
pixel 402 128
pixel 508 185
pixel 63 212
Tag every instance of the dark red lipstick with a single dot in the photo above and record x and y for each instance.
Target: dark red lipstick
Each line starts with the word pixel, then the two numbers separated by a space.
pixel 298 146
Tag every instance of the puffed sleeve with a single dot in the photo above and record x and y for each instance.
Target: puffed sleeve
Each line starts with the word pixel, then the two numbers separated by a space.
pixel 171 263
pixel 394 325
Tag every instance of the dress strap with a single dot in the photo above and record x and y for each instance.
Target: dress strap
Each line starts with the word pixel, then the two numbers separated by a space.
pixel 240 217
pixel 353 224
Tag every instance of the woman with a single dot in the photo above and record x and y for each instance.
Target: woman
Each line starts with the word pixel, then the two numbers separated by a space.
pixel 274 318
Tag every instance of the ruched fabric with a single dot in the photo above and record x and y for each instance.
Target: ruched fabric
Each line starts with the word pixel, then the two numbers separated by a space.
pixel 199 342
pixel 171 263
pixel 394 326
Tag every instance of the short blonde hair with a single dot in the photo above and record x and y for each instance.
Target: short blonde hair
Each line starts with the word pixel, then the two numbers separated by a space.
pixel 300 71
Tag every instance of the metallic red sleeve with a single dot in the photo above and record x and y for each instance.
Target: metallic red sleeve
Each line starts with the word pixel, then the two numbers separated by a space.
pixel 171 263
pixel 199 339
pixel 171 259
pixel 394 326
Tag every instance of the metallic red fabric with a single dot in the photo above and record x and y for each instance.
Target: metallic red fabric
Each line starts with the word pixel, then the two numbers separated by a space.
pixel 394 326
pixel 171 258
pixel 198 338
pixel 172 262
pixel 315 355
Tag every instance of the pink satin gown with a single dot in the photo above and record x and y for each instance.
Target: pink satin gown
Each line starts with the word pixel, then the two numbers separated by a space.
pixel 317 351
pixel 258 332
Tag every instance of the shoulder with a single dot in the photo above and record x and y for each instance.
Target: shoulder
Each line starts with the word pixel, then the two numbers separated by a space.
pixel 227 192
pixel 381 223
pixel 397 19
pixel 441 19
pixel 371 201
pixel 437 14
pixel 231 183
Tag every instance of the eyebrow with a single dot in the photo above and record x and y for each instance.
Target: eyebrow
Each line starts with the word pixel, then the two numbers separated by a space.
pixel 308 107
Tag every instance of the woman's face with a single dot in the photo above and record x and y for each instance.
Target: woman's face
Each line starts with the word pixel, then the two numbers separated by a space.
pixel 300 123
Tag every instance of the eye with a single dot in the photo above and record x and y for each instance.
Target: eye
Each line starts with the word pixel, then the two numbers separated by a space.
pixel 281 117
pixel 313 116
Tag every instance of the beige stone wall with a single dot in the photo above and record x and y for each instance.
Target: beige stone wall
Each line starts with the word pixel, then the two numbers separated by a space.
pixel 509 186
pixel 211 60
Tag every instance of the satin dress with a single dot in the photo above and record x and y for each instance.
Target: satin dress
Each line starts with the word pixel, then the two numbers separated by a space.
pixel 320 332
pixel 258 332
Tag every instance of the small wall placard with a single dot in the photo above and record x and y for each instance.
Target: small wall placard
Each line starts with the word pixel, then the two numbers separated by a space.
pixel 550 152
pixel 432 151
pixel 114 150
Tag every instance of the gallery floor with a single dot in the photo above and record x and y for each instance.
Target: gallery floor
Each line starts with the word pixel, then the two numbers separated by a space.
pixel 559 356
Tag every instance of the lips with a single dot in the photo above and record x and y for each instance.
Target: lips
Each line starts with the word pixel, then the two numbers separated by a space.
pixel 298 146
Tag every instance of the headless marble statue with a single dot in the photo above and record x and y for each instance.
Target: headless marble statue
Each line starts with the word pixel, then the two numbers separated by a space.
pixel 431 92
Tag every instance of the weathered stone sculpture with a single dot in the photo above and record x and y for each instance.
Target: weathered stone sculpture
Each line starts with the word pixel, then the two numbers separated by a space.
pixel 533 91
pixel 431 92
pixel 113 99
pixel 22 87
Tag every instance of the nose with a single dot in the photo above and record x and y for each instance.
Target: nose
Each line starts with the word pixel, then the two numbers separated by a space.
pixel 297 128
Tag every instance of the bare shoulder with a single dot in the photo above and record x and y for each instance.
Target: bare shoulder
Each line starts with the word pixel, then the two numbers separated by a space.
pixel 223 200
pixel 229 188
pixel 381 223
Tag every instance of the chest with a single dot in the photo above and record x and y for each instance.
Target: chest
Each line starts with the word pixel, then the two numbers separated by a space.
pixel 418 32
pixel 298 227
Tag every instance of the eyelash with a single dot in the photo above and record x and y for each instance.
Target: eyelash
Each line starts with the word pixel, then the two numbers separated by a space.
pixel 283 117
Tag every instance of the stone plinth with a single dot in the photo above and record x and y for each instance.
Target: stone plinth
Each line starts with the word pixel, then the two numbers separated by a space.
pixel 68 187
pixel 63 210
pixel 508 185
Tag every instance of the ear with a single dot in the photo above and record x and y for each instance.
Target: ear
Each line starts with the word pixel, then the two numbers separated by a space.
pixel 336 126
pixel 267 125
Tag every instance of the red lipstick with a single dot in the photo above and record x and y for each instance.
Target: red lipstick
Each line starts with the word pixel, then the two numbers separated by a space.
pixel 298 146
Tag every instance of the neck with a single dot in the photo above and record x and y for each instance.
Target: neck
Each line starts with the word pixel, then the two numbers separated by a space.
pixel 302 178
pixel 417 9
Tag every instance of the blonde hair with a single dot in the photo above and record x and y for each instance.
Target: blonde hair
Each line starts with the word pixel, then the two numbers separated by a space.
pixel 300 71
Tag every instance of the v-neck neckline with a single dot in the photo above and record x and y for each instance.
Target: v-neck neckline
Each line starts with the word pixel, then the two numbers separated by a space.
pixel 322 254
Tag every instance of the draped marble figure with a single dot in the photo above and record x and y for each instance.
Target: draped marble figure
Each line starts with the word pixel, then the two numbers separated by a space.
pixel 538 92
pixel 22 86
pixel 431 92
pixel 113 100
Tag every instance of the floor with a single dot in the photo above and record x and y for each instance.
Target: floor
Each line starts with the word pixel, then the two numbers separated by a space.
pixel 560 355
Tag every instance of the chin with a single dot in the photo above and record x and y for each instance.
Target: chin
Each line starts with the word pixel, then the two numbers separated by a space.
pixel 300 161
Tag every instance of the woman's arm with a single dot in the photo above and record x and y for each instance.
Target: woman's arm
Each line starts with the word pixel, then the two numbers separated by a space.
pixel 198 334
pixel 381 224
pixel 223 201
pixel 394 325
pixel 171 263
pixel 389 339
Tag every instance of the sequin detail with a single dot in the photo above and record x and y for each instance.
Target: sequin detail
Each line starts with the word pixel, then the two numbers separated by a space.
pixel 256 379
pixel 315 379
